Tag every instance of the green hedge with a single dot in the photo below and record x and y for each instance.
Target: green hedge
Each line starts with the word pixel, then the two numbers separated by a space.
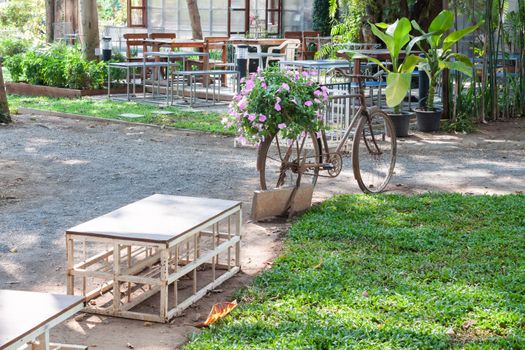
pixel 59 65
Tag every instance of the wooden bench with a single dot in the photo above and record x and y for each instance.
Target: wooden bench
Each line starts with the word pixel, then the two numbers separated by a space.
pixel 177 248
pixel 27 317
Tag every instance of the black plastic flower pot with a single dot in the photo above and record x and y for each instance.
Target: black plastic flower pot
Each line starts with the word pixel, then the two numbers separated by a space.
pixel 428 121
pixel 401 122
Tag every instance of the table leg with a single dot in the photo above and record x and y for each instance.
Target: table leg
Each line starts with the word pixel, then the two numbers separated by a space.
pixel 70 256
pixel 116 277
pixel 164 272
pixel 238 244
pixel 41 342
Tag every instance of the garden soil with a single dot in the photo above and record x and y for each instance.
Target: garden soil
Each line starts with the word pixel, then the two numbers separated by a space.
pixel 57 172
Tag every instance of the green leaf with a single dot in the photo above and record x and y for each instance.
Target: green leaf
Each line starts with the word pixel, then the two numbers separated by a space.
pixel 409 64
pixel 442 22
pixel 401 35
pixel 387 39
pixel 459 66
pixel 397 88
pixel 462 58
pixel 454 37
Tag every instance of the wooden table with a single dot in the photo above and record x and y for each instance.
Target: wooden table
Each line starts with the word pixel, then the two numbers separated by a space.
pixel 150 246
pixel 28 316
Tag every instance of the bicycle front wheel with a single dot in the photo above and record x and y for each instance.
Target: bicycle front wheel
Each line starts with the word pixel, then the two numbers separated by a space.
pixel 280 161
pixel 374 151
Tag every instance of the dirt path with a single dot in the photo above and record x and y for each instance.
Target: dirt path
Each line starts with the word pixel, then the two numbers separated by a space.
pixel 55 173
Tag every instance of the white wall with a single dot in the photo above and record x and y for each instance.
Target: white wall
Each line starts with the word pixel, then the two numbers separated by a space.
pixel 172 15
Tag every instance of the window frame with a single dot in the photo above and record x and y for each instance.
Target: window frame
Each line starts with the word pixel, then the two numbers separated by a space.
pixel 143 8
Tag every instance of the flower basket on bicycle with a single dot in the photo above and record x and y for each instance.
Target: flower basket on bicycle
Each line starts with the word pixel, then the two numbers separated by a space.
pixel 289 116
pixel 282 108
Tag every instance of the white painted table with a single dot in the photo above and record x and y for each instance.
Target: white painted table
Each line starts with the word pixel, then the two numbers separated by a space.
pixel 27 317
pixel 184 244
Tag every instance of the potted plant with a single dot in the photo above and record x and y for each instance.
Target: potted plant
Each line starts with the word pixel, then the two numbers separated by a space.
pixel 274 101
pixel 396 36
pixel 437 56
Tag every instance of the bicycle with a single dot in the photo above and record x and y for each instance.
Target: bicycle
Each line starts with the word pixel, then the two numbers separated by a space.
pixel 373 152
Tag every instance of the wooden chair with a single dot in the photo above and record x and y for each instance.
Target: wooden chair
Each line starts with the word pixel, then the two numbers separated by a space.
pixel 135 41
pixel 309 38
pixel 163 36
pixel 215 43
pixel 221 43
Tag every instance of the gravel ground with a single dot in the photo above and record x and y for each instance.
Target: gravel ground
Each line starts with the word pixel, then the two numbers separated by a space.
pixel 56 173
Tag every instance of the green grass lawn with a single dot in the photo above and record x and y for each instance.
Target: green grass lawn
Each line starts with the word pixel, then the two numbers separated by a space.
pixel 435 271
pixel 194 120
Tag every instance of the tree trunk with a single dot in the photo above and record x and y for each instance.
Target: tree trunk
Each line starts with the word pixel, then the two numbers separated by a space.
pixel 195 18
pixel 50 20
pixel 4 108
pixel 89 36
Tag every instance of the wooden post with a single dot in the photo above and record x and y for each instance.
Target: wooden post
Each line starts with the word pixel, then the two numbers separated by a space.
pixel 89 35
pixel 5 117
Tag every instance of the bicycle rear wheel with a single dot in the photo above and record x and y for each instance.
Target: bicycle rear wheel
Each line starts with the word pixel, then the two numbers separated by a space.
pixel 374 151
pixel 279 161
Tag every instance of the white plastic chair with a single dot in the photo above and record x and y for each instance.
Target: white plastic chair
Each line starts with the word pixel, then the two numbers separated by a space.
pixel 285 51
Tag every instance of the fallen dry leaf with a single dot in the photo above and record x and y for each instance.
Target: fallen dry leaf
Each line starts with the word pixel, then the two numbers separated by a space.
pixel 365 294
pixel 468 324
pixel 217 312
pixel 129 346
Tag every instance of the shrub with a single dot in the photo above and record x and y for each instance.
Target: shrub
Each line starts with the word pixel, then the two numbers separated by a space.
pixel 60 66
pixel 13 46
pixel 14 66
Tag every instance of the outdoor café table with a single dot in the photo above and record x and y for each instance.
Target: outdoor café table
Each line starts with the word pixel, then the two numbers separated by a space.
pixel 144 248
pixel 28 316
pixel 317 65
pixel 257 42
pixel 171 70
pixel 130 68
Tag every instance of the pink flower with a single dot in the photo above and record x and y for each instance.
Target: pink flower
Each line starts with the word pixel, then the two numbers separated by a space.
pixel 241 140
pixel 285 87
pixel 317 93
pixel 263 85
pixel 281 125
pixel 277 105
pixel 249 86
pixel 243 104
pixel 262 118
pixel 305 74
pixel 251 117
pixel 316 100
pixel 308 103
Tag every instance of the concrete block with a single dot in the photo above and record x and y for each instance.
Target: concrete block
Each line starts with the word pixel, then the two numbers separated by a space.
pixel 274 202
